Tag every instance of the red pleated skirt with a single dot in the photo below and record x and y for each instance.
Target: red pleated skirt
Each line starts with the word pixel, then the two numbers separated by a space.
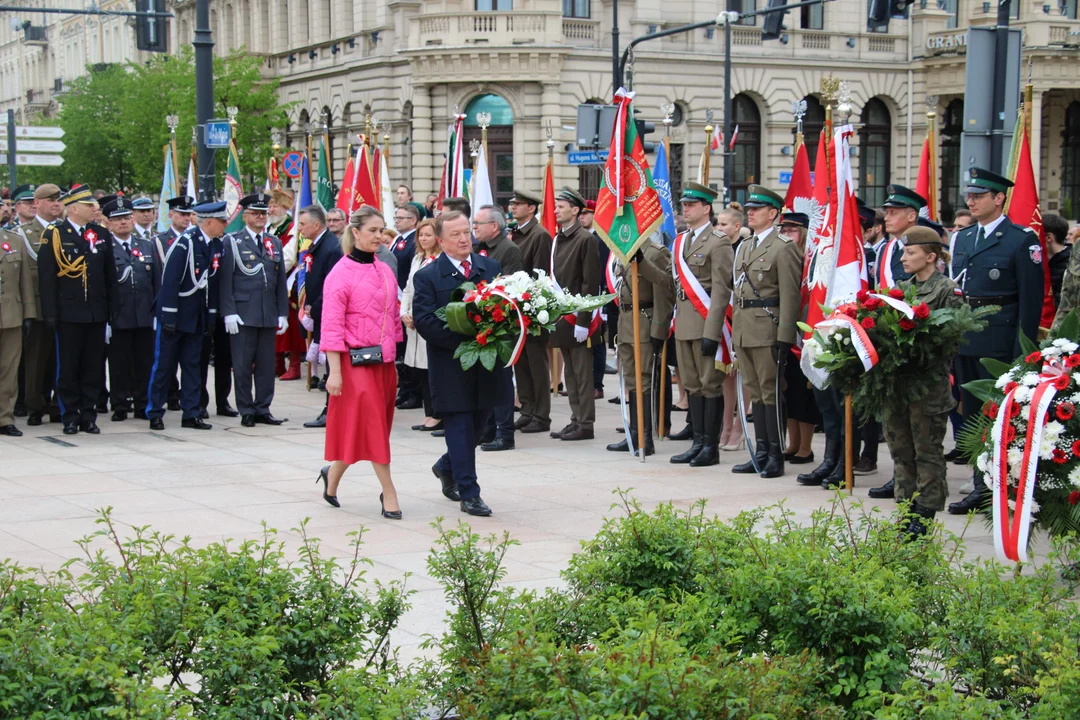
pixel 358 421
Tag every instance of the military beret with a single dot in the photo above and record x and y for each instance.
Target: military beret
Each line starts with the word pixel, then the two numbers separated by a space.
pixel 212 210
pixel 984 181
pixel 795 218
pixel 696 192
pixel 526 196
pixel 259 202
pixel 182 204
pixel 24 192
pixel 919 235
pixel 902 197
pixel 48 191
pixel 761 196
pixel 571 196
pixel 78 194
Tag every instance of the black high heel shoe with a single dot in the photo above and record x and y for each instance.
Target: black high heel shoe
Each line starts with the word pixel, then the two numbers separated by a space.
pixel 388 514
pixel 323 475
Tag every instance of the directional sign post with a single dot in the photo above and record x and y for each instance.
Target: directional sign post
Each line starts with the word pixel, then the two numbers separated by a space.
pixel 46 146
pixel 27 159
pixel 26 141
pixel 28 131
pixel 218 133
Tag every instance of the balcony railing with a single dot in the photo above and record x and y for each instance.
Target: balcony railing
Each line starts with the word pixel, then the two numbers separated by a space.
pixel 491 28
pixel 581 33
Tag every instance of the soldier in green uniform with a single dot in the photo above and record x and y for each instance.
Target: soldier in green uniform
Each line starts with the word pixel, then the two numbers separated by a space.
pixel 655 305
pixel 18 306
pixel 767 303
pixel 916 431
pixel 701 272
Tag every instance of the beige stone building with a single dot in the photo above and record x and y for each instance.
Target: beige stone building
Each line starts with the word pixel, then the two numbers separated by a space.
pixel 530 63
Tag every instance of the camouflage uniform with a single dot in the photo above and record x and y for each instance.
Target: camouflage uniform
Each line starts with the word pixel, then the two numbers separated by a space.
pixel 1070 290
pixel 915 432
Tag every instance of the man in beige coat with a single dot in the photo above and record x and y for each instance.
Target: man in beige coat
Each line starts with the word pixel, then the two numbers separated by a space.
pixel 18 306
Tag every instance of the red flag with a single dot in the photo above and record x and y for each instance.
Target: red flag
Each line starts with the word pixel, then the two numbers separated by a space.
pixel 272 175
pixel 924 185
pixel 1024 210
pixel 800 198
pixel 734 137
pixel 364 182
pixel 819 253
pixel 547 211
pixel 345 194
pixel 717 139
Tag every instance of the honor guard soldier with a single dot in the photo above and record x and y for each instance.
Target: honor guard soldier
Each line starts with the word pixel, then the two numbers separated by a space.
pixel 701 263
pixel 767 303
pixel 143 212
pixel 532 369
pixel 655 303
pixel 78 296
pixel 39 345
pixel 254 304
pixel 131 345
pixel 916 430
pixel 180 216
pixel 18 308
pixel 185 309
pixel 575 268
pixel 902 208
pixel 995 262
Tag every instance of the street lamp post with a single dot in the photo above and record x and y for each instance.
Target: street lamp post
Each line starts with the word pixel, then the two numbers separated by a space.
pixel 204 96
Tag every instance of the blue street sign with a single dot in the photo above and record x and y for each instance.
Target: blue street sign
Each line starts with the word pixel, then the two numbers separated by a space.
pixel 785 177
pixel 218 133
pixel 587 157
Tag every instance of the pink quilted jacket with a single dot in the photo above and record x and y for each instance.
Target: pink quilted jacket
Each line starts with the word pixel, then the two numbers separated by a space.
pixel 361 308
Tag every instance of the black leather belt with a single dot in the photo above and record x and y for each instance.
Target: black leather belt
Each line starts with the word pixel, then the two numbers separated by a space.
pixel 628 308
pixel 977 302
pixel 757 302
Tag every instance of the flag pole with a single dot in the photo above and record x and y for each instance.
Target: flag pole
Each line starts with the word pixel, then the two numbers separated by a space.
pixel 194 160
pixel 708 149
pixel 556 371
pixel 326 150
pixel 173 121
pixel 275 148
pixel 668 109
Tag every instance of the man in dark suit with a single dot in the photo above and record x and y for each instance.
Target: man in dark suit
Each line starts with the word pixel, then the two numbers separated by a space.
pixel 78 294
pixel 995 262
pixel 131 343
pixel 406 218
pixel 462 399
pixel 254 304
pixel 319 260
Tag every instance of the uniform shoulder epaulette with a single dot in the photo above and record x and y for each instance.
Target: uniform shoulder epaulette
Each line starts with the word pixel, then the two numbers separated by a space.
pixel 718 233
pixel 784 238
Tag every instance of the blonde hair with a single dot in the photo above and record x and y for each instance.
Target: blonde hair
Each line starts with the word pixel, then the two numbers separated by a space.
pixel 357 220
pixel 429 222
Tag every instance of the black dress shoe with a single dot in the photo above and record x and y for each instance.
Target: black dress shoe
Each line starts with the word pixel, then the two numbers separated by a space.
pixel 10 431
pixel 267 419
pixel 498 444
pixel 248 421
pixel 196 423
pixel 34 420
pixel 615 400
pixel 20 411
pixel 486 438
pixel 119 416
pixel 204 414
pixel 522 422
pixel 475 506
pixel 319 422
pixel 410 404
pixel 976 500
pixel 535 426
pixel 438 433
pixel 173 405
pixel 140 415
pixel 90 427
pixel 885 492
pixel 952 455
pixel 557 434
pixel 71 428
pixel 796 459
pixel 449 487
pixel 226 411
pixel 157 424
pixel 102 408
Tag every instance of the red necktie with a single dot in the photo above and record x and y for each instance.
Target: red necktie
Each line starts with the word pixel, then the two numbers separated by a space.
pixel 466 268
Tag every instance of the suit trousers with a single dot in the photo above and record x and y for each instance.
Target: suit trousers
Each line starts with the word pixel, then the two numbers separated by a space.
pixel 759 371
pixel 627 367
pixel 253 359
pixel 969 368
pixel 131 355
pixel 10 351
pixel 80 361
pixel 599 361
pixel 462 431
pixel 501 420
pixel 534 379
pixel 39 356
pixel 698 373
pixel 169 350
pixel 578 378
pixel 219 347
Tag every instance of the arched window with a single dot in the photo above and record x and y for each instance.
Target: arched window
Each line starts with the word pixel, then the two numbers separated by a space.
pixel 950 199
pixel 875 146
pixel 1070 169
pixel 500 148
pixel 813 122
pixel 746 159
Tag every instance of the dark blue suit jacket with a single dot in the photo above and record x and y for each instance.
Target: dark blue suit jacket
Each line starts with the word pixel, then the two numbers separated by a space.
pixel 453 389
pixel 192 311
pixel 403 250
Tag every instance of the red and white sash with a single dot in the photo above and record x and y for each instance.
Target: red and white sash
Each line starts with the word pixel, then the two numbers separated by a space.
pixel 699 298
pixel 885 277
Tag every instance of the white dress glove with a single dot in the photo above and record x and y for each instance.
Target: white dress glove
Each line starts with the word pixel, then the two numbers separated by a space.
pixel 232 324
pixel 313 353
pixel 282 325
pixel 108 333
pixel 154 324
pixel 581 334
pixel 308 323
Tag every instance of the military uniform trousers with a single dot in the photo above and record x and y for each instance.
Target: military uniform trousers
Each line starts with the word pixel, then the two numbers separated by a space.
pixel 253 360
pixel 169 350
pixel 916 442
pixel 534 379
pixel 758 368
pixel 577 376
pixel 39 367
pixel 80 369
pixel 219 347
pixel 698 373
pixel 131 356
pixel 10 351
pixel 626 362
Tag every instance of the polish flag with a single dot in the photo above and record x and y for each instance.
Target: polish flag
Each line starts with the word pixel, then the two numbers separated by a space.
pixel 734 137
pixel 1023 209
pixel 717 139
pixel 924 185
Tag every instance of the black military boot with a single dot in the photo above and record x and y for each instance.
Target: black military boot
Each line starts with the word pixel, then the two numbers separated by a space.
pixel 761 450
pixel 886 491
pixel 976 499
pixel 833 448
pixel 710 451
pixel 919 522
pixel 774 465
pixel 837 477
pixel 697 421
pixel 624 444
pixel 649 447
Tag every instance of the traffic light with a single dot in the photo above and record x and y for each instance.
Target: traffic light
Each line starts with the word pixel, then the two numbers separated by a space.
pixel 643 129
pixel 877 17
pixel 773 26
pixel 151 33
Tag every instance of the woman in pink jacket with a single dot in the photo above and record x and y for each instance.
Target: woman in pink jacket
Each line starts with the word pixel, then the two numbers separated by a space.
pixel 360 321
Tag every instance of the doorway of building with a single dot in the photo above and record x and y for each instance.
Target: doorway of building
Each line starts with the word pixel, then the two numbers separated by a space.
pixel 500 147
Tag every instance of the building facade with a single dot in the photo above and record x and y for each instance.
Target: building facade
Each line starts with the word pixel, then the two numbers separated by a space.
pixel 530 63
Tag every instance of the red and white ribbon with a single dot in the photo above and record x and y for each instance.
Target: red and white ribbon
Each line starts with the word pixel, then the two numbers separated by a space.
pixel 898 305
pixel 618 141
pixel 680 270
pixel 1011 534
pixel 614 284
pixel 860 341
pixel 520 344
pixel 885 276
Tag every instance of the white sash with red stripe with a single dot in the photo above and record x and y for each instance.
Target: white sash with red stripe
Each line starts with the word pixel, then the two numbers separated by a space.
pixel 885 276
pixel 699 298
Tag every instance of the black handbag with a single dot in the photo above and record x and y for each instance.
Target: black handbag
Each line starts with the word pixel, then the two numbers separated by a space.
pixel 365 355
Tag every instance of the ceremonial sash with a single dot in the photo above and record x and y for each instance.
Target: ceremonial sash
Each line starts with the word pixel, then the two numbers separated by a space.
pixel 596 320
pixel 680 270
pixel 614 284
pixel 26 242
pixel 885 276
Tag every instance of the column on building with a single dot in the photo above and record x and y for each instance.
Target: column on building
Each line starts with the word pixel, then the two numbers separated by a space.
pixel 278 31
pixel 425 176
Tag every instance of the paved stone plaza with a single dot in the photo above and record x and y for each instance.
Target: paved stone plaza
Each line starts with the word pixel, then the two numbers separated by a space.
pixel 548 494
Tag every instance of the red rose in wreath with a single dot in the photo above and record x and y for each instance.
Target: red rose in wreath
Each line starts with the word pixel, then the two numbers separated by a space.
pixel 922 311
pixel 1074 497
pixel 1035 357
pixel 481 338
pixel 907 325
pixel 862 296
pixel 868 323
pixel 1062 382
pixel 1060 457
pixel 526 296
pixel 1065 411
pixel 872 304
pixel 896 293
pixel 851 312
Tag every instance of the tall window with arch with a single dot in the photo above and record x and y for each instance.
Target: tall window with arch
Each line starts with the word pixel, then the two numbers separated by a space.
pixel 875 149
pixel 1070 163
pixel 746 157
pixel 949 187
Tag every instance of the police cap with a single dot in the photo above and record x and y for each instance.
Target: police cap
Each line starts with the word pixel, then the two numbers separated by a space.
pixel 902 197
pixel 984 181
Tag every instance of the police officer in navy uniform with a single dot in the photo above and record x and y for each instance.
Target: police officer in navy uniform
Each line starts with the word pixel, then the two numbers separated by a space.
pixel 184 310
pixel 180 216
pixel 143 210
pixel 995 262
pixel 254 304
pixel 131 343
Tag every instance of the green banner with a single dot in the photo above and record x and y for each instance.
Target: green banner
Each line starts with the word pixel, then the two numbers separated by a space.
pixel 324 193
pixel 233 191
